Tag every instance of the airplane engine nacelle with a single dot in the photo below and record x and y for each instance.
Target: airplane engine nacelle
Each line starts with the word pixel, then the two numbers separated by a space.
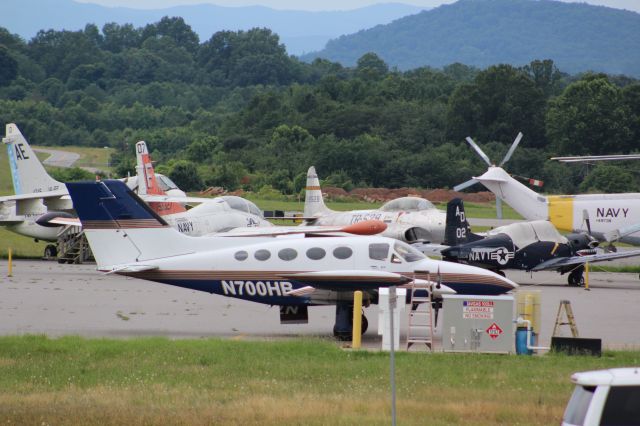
pixel 409 234
pixel 582 241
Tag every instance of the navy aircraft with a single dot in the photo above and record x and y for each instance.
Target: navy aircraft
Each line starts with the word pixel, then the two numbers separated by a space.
pixel 408 219
pixel 129 238
pixel 531 246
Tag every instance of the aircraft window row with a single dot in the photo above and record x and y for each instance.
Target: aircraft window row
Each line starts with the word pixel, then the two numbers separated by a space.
pixel 378 251
pixel 314 253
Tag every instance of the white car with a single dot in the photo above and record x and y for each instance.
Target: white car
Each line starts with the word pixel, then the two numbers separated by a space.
pixel 604 397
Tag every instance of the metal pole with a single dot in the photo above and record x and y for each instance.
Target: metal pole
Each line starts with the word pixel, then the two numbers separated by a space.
pixel 10 274
pixel 586 276
pixel 392 368
pixel 356 332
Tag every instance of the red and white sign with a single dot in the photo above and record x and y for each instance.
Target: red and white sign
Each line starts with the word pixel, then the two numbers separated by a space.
pixel 494 331
pixel 477 309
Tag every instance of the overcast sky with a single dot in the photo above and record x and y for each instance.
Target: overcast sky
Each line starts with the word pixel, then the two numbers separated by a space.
pixel 322 5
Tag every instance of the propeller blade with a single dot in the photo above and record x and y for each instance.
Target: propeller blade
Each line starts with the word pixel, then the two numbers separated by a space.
pixel 513 147
pixel 498 208
pixel 464 185
pixel 478 150
pixel 585 218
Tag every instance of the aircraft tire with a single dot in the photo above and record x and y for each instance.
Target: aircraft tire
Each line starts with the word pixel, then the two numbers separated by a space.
pixel 50 251
pixel 365 324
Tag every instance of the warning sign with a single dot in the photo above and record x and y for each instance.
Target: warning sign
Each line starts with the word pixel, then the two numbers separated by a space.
pixel 477 309
pixel 494 331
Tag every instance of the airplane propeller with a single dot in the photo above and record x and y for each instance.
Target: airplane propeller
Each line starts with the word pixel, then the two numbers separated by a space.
pixel 486 159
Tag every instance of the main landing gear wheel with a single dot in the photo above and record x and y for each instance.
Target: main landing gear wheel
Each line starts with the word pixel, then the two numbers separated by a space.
pixel 50 251
pixel 576 278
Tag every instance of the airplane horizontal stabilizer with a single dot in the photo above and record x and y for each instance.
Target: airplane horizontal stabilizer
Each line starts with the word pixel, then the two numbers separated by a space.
pixel 131 269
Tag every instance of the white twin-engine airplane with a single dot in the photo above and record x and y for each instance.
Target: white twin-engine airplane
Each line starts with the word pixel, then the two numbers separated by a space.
pixel 609 216
pixel 409 219
pixel 227 215
pixel 129 238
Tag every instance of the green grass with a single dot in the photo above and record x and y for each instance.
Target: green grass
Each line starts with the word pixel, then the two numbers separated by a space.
pixel 21 246
pixel 89 157
pixel 158 381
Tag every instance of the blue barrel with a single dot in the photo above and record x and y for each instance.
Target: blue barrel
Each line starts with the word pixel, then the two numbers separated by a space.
pixel 521 342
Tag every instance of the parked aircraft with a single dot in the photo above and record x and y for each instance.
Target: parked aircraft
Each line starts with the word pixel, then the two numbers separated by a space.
pixel 36 192
pixel 409 219
pixel 225 215
pixel 529 246
pixel 38 197
pixel 129 238
pixel 606 214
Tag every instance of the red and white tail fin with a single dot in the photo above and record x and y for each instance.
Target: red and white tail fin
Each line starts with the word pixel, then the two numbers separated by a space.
pixel 148 184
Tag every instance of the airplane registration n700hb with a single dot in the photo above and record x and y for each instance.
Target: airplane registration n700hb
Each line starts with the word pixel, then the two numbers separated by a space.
pixel 129 238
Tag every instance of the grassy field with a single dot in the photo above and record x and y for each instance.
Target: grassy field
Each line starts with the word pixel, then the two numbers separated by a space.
pixel 157 381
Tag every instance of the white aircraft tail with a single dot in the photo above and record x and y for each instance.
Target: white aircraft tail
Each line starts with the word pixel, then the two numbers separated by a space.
pixel 313 202
pixel 28 174
pixel 528 203
pixel 122 230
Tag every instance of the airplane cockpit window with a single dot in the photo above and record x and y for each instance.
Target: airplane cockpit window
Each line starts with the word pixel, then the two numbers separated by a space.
pixel 342 252
pixel 165 183
pixel 262 254
pixel 408 253
pixel 240 204
pixel 316 253
pixel 378 251
pixel 407 203
pixel 241 255
pixel 287 254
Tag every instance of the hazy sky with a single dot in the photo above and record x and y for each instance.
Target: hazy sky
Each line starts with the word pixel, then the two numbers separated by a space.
pixel 324 4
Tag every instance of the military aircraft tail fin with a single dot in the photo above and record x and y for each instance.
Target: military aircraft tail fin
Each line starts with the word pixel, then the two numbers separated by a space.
pixel 313 202
pixel 457 230
pixel 29 176
pixel 528 203
pixel 148 183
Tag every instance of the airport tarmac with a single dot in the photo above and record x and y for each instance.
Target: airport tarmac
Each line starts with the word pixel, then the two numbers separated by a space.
pixel 48 298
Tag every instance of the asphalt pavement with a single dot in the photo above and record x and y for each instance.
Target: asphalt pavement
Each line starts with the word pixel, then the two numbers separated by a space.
pixel 44 297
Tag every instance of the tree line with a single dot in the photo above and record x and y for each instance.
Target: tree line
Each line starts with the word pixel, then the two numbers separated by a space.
pixel 237 111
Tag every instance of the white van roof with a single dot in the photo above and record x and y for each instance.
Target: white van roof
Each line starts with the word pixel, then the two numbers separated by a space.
pixel 612 377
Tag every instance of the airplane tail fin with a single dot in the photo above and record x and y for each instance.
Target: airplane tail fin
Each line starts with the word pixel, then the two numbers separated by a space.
pixel 148 184
pixel 457 230
pixel 528 203
pixel 28 174
pixel 120 227
pixel 313 201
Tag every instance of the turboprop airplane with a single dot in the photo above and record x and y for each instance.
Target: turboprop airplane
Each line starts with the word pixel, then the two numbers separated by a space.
pixel 529 246
pixel 36 193
pixel 408 219
pixel 128 238
pixel 605 214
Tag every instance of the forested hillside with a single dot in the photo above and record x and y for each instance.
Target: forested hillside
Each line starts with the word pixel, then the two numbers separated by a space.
pixel 237 111
pixel 579 37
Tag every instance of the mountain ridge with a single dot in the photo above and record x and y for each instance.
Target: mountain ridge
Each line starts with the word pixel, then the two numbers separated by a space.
pixel 577 36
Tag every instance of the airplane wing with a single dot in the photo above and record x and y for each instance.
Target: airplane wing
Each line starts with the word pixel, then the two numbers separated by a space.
pixel 345 280
pixel 578 260
pixel 60 193
pixel 366 227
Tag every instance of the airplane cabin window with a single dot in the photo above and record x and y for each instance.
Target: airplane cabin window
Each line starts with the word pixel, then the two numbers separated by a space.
pixel 379 251
pixel 342 252
pixel 262 254
pixel 316 253
pixel 408 253
pixel 241 255
pixel 287 254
